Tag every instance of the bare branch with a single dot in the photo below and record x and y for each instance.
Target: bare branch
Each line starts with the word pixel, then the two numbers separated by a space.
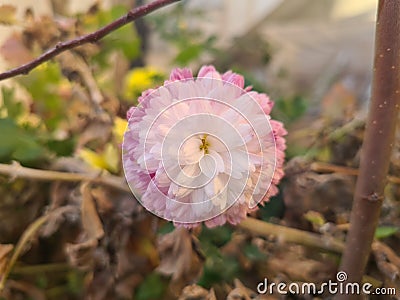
pixel 292 235
pixel 322 167
pixel 16 170
pixel 93 37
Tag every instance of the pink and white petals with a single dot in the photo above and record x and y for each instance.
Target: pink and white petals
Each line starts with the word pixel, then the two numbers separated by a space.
pixel 203 149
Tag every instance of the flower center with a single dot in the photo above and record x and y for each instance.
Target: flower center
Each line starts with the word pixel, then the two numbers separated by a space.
pixel 204 144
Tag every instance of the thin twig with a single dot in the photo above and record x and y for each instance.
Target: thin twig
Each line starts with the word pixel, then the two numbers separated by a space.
pixel 93 37
pixel 292 235
pixel 16 170
pixel 322 167
pixel 26 237
pixel 38 269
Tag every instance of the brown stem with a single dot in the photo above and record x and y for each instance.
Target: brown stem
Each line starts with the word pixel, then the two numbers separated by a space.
pixel 292 235
pixel 322 167
pixel 37 269
pixel 378 143
pixel 16 170
pixel 88 38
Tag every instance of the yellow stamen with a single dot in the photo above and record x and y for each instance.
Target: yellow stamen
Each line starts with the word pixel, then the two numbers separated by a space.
pixel 204 144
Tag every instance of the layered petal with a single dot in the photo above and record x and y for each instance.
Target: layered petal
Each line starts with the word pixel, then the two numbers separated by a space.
pixel 203 149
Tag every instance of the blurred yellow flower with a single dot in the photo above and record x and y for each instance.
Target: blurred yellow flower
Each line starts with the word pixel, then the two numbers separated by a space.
pixel 107 160
pixel 119 129
pixel 140 79
pixel 31 120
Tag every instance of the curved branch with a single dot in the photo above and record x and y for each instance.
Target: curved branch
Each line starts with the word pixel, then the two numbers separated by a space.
pixel 93 37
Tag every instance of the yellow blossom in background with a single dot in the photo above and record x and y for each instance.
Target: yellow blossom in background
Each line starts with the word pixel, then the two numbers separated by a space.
pixel 140 79
pixel 107 160
pixel 119 129
pixel 31 120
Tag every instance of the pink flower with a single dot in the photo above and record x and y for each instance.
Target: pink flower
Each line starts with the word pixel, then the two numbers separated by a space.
pixel 203 149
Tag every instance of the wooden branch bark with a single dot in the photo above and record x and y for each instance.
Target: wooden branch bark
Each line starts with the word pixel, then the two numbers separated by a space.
pixel 378 143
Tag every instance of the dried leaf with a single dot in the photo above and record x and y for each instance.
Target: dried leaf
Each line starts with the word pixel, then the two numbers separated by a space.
pixel 179 258
pixel 135 241
pixel 101 286
pixel 5 249
pixel 26 238
pixel 54 223
pixel 241 292
pixel 195 292
pixel 75 68
pixel 328 194
pixel 127 284
pixel 31 290
pixel 234 248
pixel 7 14
pixel 97 130
pixel 44 31
pixel 81 255
pixel 14 51
pixel 387 260
pixel 103 200
pixel 294 263
pixel 90 218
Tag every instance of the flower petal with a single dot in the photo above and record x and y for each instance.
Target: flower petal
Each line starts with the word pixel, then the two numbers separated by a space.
pixel 180 74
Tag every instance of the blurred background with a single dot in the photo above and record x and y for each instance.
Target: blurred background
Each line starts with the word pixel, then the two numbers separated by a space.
pixel 294 47
pixel 312 57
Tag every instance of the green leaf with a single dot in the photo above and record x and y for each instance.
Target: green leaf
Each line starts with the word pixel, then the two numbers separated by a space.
pixel 289 109
pixel 61 147
pixel 188 54
pixel 152 288
pixel 19 143
pixel 253 253
pixel 217 236
pixel 274 208
pixel 43 84
pixel 166 228
pixel 12 107
pixel 219 268
pixel 75 282
pixel 324 154
pixel 315 218
pixel 385 231
pixel 41 281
